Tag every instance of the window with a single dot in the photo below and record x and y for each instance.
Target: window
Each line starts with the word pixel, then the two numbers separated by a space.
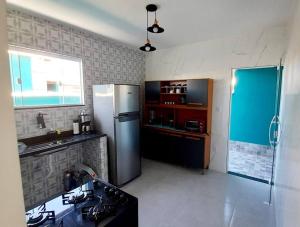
pixel 40 79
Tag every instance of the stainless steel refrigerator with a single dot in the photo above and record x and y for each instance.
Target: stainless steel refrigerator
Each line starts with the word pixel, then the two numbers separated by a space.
pixel 117 114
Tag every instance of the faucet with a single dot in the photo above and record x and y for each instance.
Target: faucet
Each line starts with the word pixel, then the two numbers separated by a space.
pixel 40 120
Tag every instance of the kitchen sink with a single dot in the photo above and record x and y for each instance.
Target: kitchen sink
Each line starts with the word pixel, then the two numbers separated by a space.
pixel 50 144
pixel 62 141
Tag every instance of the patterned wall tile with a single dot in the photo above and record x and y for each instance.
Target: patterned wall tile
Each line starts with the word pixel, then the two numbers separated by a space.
pixel 42 177
pixel 250 159
pixel 104 61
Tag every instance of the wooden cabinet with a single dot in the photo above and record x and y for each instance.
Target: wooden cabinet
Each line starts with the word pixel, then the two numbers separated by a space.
pixel 173 148
pixel 193 152
pixel 197 92
pixel 169 105
pixel 152 91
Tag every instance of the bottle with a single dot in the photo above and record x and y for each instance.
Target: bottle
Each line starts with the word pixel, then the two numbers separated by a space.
pixel 87 128
pixel 75 127
pixel 82 116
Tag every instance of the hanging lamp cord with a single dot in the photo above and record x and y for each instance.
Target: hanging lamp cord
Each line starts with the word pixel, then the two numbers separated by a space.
pixel 147 26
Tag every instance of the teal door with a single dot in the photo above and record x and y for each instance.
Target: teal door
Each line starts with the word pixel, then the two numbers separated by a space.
pixel 254 101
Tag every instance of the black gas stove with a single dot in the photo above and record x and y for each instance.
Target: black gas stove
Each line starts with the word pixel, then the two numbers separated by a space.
pixel 93 204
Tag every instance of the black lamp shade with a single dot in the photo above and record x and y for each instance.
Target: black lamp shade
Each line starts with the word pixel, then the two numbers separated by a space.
pixel 155 28
pixel 147 48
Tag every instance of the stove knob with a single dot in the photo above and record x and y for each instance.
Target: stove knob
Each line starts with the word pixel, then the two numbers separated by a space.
pixel 122 198
pixel 117 193
pixel 106 189
pixel 111 192
pixel 110 209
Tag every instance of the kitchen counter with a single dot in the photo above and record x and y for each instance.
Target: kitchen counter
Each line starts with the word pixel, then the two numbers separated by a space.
pixel 55 146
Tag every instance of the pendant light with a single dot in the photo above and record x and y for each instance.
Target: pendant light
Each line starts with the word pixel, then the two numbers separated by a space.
pixel 155 28
pixel 147 47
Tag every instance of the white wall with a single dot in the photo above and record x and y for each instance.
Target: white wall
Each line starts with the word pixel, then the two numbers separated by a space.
pixel 215 59
pixel 12 211
pixel 287 180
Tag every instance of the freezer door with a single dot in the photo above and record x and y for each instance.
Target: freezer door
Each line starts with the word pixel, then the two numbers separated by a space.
pixel 127 148
pixel 126 99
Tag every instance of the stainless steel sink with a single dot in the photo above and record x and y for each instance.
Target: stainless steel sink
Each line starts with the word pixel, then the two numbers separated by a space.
pixel 47 145
pixel 42 146
pixel 56 142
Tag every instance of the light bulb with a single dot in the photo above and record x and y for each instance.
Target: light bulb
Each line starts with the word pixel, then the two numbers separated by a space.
pixel 147 48
pixel 155 29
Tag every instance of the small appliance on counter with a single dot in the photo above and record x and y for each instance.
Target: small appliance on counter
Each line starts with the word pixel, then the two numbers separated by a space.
pixel 84 122
pixel 195 126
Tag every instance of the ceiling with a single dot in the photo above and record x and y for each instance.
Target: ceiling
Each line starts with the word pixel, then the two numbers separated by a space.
pixel 185 21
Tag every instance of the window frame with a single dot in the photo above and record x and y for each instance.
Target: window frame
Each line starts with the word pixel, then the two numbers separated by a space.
pixel 53 55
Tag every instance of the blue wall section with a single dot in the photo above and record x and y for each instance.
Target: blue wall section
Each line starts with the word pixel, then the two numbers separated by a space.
pixel 253 105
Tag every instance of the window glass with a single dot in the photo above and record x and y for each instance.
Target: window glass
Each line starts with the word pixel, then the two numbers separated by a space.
pixel 41 80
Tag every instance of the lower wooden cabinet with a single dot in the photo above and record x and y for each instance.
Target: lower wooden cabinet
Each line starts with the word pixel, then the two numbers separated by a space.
pixel 173 148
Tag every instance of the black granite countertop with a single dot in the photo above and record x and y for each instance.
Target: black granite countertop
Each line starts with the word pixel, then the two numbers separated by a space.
pixel 54 146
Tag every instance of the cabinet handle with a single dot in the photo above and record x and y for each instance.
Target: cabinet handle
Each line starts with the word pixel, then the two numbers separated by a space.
pixel 193 138
pixel 170 134
pixel 195 103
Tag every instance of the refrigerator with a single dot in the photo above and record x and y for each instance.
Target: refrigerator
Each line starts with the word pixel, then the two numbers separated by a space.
pixel 117 114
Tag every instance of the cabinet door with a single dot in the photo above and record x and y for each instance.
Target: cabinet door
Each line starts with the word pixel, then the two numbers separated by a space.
pixel 197 91
pixel 152 146
pixel 152 91
pixel 193 152
pixel 172 149
pixel 127 132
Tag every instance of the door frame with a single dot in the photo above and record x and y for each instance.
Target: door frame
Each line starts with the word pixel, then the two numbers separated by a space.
pixel 229 115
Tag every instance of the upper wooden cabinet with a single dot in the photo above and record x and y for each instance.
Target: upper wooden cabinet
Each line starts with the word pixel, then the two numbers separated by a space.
pixel 197 92
pixel 179 92
pixel 152 91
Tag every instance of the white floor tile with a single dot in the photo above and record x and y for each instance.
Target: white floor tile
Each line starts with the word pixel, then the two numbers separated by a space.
pixel 171 196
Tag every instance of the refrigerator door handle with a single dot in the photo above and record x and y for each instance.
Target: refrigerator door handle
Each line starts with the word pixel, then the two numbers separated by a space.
pixel 123 115
pixel 127 117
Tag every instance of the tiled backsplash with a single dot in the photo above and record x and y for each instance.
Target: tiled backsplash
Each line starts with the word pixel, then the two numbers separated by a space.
pixel 104 61
pixel 42 177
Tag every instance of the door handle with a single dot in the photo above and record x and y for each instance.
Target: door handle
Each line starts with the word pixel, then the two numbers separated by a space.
pixel 276 134
pixel 270 128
